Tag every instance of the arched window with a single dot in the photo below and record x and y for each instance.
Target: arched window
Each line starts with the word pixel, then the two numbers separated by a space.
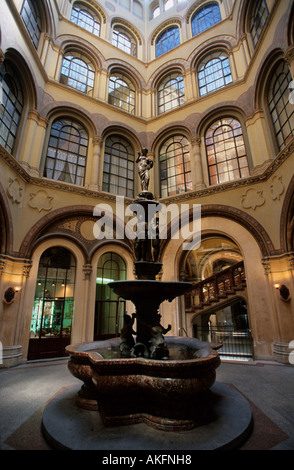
pixel 156 12
pixel 258 18
pixel 175 166
pixel 168 4
pixel 214 72
pixel 32 19
pixel 109 308
pixel 167 40
pixel 121 92
pixel 78 72
pixel 280 108
pixel 122 39
pixel 67 152
pixel 11 105
pixel 118 171
pixel 87 19
pixel 205 17
pixel 53 304
pixel 171 92
pixel 226 152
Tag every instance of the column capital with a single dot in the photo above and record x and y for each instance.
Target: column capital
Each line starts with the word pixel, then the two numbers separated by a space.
pixel 2 56
pixel 97 140
pixel 289 55
pixel 195 140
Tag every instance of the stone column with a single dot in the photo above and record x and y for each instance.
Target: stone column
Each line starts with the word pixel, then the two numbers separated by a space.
pixel 95 173
pixel 13 274
pixel 196 164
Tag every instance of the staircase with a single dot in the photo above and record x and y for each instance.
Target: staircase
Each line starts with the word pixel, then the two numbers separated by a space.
pixel 217 289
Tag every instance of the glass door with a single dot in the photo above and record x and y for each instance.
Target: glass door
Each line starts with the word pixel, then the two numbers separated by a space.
pixel 53 305
pixel 109 308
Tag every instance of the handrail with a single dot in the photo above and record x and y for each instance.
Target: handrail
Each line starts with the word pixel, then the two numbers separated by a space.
pixel 216 286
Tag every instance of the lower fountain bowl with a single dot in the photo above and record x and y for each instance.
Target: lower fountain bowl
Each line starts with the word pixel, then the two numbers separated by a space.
pixel 171 394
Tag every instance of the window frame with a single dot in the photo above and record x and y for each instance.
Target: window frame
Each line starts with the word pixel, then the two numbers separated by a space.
pixel 281 107
pixel 127 84
pixel 217 162
pixel 165 90
pixel 54 149
pixel 72 59
pixel 12 110
pixel 84 10
pixel 175 167
pixel 205 10
pixel 124 40
pixel 32 20
pixel 170 33
pixel 123 161
pixel 254 28
pixel 220 58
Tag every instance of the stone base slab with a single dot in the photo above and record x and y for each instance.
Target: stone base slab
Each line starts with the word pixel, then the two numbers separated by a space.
pixel 66 426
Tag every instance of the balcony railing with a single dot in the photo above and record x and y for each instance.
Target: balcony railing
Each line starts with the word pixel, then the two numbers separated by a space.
pixel 216 287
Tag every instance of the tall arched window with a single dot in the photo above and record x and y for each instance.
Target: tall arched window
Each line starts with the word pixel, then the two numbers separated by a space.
pixel 78 72
pixel 175 166
pixel 67 152
pixel 53 304
pixel 32 19
pixel 171 92
pixel 109 309
pixel 123 39
pixel 205 17
pixel 226 152
pixel 86 18
pixel 258 18
pixel 121 92
pixel 214 72
pixel 11 105
pixel 280 108
pixel 167 40
pixel 118 171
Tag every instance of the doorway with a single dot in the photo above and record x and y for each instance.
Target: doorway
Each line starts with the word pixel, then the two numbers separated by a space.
pixel 53 305
pixel 109 308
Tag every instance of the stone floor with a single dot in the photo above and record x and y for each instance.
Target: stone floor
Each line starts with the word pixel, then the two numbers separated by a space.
pixel 25 390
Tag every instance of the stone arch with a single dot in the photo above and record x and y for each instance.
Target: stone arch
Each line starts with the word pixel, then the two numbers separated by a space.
pixel 6 224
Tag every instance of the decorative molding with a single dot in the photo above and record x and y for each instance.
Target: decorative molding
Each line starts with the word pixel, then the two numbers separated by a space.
pixel 277 188
pixel 15 190
pixel 41 200
pixel 252 199
pixel 87 270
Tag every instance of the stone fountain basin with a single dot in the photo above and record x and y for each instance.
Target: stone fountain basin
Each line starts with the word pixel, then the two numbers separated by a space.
pixel 149 289
pixel 168 394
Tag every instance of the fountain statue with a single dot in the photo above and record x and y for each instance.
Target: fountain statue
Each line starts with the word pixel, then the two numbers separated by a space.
pixel 146 376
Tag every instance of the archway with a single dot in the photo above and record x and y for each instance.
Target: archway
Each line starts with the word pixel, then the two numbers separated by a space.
pixel 52 315
pixel 217 299
pixel 109 308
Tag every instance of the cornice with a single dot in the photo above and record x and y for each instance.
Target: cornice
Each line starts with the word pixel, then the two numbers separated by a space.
pixel 251 180
pixel 101 195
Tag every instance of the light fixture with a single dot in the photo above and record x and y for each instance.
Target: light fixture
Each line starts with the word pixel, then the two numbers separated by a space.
pixel 9 294
pixel 284 291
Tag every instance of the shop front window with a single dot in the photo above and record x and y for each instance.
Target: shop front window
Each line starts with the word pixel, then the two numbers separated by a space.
pixel 53 304
pixel 109 309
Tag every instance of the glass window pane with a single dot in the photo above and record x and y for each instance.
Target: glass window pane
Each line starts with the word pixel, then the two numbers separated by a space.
pixel 65 148
pixel 228 151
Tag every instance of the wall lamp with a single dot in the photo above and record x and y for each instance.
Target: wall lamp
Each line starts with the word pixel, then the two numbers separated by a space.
pixel 9 294
pixel 284 291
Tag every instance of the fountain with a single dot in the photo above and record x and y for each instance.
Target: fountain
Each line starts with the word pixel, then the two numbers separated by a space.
pixel 144 377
